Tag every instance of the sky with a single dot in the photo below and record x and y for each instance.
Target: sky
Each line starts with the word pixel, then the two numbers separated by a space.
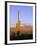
pixel 25 14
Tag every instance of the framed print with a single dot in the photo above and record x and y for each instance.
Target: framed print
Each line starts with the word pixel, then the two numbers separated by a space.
pixel 20 22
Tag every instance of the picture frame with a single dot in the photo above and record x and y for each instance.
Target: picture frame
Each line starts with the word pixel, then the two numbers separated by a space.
pixel 7 22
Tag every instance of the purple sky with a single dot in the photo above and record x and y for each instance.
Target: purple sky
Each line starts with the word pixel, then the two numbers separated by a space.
pixel 25 14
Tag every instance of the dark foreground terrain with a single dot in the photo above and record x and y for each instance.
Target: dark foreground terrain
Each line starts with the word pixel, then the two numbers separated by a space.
pixel 21 37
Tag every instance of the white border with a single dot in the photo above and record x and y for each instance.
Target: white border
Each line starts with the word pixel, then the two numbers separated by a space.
pixel 8 32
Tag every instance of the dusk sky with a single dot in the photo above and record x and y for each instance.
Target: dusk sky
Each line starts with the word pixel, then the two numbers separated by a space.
pixel 25 14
